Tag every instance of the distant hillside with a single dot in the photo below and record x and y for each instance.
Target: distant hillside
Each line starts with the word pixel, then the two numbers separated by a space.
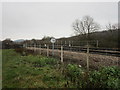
pixel 19 40
pixel 108 39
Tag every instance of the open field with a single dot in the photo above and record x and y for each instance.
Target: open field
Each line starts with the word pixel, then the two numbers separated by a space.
pixel 36 71
pixel 23 72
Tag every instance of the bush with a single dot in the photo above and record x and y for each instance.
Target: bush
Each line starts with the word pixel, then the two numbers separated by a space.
pixel 73 70
pixel 73 73
pixel 106 77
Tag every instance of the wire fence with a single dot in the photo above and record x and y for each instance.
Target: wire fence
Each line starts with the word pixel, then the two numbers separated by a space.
pixel 77 52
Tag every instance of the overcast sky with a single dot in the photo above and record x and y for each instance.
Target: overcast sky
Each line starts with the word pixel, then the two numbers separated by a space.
pixel 28 20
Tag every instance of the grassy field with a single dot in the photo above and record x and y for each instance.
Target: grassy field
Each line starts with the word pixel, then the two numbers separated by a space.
pixel 24 71
pixel 35 71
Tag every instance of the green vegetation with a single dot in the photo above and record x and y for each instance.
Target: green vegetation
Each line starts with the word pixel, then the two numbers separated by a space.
pixel 35 71
pixel 30 71
pixel 106 77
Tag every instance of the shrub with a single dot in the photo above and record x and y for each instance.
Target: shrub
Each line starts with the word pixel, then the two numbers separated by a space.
pixel 106 77
pixel 73 72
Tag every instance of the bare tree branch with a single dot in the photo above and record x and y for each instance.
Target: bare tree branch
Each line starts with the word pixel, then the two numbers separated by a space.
pixel 86 25
pixel 111 26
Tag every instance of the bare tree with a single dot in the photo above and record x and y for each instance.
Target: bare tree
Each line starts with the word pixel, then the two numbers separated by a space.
pixel 111 26
pixel 85 26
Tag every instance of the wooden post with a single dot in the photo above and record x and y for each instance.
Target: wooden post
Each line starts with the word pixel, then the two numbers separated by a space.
pixel 61 54
pixel 52 49
pixel 34 47
pixel 26 45
pixel 56 44
pixel 87 57
pixel 40 49
pixel 47 51
pixel 23 45
pixel 69 46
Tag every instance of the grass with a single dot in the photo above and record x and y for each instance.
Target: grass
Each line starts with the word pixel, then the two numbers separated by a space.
pixel 35 71
pixel 29 71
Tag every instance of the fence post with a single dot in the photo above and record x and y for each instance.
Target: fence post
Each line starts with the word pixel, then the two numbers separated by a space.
pixel 26 45
pixel 34 47
pixel 61 54
pixel 69 44
pixel 87 58
pixel 40 48
pixel 47 50
pixel 52 49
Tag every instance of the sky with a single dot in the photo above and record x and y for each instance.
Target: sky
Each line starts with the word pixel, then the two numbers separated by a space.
pixel 34 20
